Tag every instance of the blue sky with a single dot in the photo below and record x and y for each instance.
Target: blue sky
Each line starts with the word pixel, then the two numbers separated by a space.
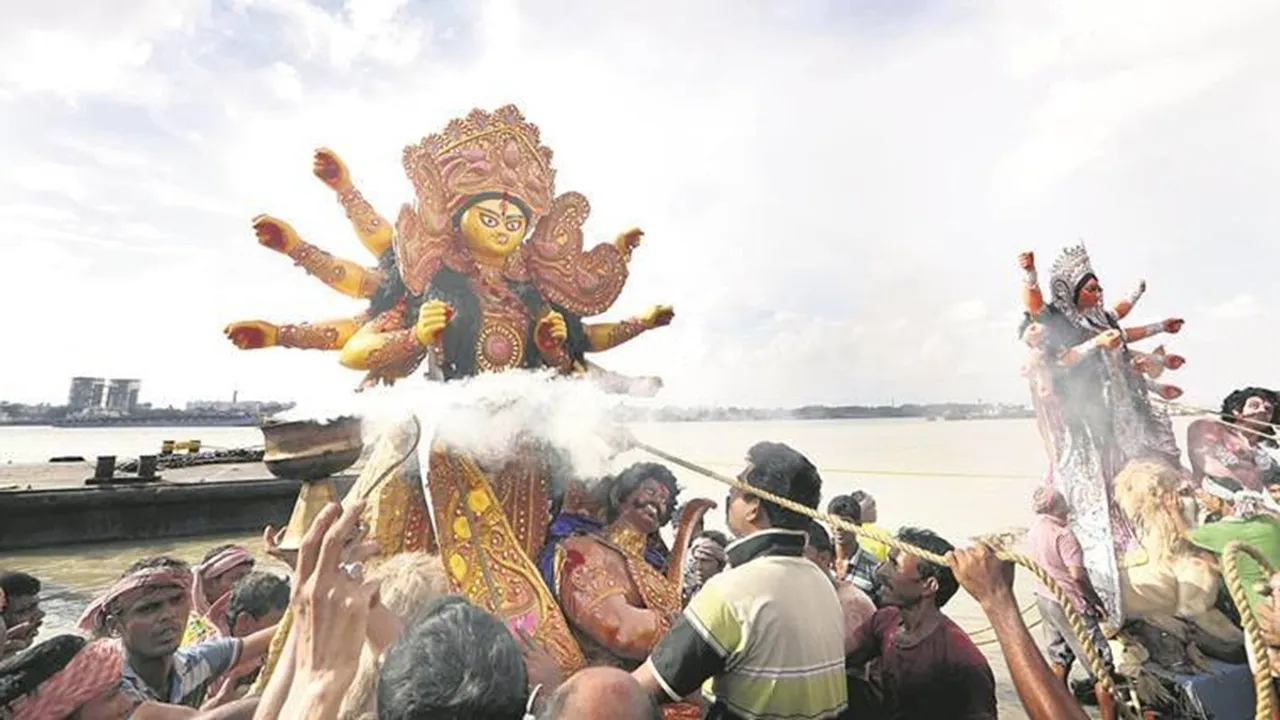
pixel 833 194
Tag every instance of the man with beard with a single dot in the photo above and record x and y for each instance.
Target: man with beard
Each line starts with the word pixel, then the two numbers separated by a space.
pixel 147 610
pixel 617 602
pixel 929 668
pixel 1240 443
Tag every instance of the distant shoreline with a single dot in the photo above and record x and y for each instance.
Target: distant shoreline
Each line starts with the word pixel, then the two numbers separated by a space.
pixel 938 412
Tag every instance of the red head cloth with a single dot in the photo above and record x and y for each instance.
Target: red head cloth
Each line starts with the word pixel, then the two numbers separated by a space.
pixel 227 559
pixel 152 578
pixel 97 668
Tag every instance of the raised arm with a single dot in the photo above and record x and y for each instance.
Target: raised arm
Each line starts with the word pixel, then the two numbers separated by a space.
pixel 374 231
pixel 1125 306
pixel 987 579
pixel 1032 298
pixel 349 278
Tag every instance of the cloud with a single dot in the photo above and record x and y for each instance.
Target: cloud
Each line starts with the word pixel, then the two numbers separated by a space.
pixel 1240 307
pixel 833 193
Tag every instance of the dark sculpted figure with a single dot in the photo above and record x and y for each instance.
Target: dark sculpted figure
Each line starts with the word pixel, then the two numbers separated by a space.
pixel 1240 443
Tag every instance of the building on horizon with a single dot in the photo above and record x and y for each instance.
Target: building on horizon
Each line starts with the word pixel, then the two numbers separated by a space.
pixel 86 393
pixel 122 395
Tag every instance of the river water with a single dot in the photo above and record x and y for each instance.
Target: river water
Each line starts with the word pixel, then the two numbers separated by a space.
pixel 959 478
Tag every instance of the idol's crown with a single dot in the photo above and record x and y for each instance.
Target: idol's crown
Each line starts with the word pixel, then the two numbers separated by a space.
pixel 485 152
pixel 1072 266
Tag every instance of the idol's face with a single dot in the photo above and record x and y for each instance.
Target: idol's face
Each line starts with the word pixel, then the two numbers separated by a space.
pixel 493 228
pixel 1090 294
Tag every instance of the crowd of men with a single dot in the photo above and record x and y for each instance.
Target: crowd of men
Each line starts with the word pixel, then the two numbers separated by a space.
pixel 755 638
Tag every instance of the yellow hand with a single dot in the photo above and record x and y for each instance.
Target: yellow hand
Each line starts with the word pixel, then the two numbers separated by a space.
pixel 252 334
pixel 628 241
pixel 658 316
pixel 276 234
pixel 432 319
pixel 552 331
pixel 331 170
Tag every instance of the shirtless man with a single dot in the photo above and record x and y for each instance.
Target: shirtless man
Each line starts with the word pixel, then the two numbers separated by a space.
pixel 1240 443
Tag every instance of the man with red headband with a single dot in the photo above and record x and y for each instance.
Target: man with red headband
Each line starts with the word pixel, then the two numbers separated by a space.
pixel 211 583
pixel 147 610
pixel 88 686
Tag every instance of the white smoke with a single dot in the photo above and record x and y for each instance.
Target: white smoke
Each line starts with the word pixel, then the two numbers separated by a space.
pixel 489 415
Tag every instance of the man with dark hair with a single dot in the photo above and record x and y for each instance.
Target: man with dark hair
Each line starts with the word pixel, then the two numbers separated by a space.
pixel 600 692
pixel 818 548
pixel 21 612
pixel 854 563
pixel 870 515
pixel 706 559
pixel 258 600
pixel 854 602
pixel 147 610
pixel 760 631
pixel 929 668
pixel 454 660
pixel 1240 443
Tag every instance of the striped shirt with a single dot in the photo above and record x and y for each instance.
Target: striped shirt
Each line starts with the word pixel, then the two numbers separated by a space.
pixel 194 669
pixel 760 636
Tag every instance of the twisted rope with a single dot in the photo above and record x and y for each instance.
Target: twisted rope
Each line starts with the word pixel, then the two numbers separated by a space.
pixel 1261 669
pixel 1216 416
pixel 1099 670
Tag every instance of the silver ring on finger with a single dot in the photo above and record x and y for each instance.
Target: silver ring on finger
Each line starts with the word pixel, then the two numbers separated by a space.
pixel 354 571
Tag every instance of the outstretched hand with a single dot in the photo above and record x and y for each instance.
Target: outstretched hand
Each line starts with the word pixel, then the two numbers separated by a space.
pixel 271 539
pixel 331 609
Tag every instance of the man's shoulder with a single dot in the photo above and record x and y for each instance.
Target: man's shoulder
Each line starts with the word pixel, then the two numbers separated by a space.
pixel 207 653
pixel 961 647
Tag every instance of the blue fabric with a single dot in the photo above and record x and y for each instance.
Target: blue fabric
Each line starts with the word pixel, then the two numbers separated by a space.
pixel 194 668
pixel 563 526
pixel 566 525
pixel 1227 692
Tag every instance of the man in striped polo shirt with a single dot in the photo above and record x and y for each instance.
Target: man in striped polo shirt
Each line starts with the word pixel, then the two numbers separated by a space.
pixel 765 636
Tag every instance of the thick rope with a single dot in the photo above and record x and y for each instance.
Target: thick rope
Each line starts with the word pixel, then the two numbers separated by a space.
pixel 1099 670
pixel 1216 416
pixel 1261 668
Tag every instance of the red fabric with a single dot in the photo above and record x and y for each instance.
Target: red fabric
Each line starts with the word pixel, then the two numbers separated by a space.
pixel 1055 548
pixel 216 566
pixel 97 668
pixel 150 578
pixel 944 676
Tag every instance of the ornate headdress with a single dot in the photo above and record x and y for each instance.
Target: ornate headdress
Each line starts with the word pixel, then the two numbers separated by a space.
pixel 484 154
pixel 500 154
pixel 1069 270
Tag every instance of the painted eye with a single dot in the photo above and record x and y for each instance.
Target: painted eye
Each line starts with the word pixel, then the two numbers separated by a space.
pixel 489 221
pixel 514 225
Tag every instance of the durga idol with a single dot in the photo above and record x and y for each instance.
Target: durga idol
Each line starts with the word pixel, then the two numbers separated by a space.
pixel 484 272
